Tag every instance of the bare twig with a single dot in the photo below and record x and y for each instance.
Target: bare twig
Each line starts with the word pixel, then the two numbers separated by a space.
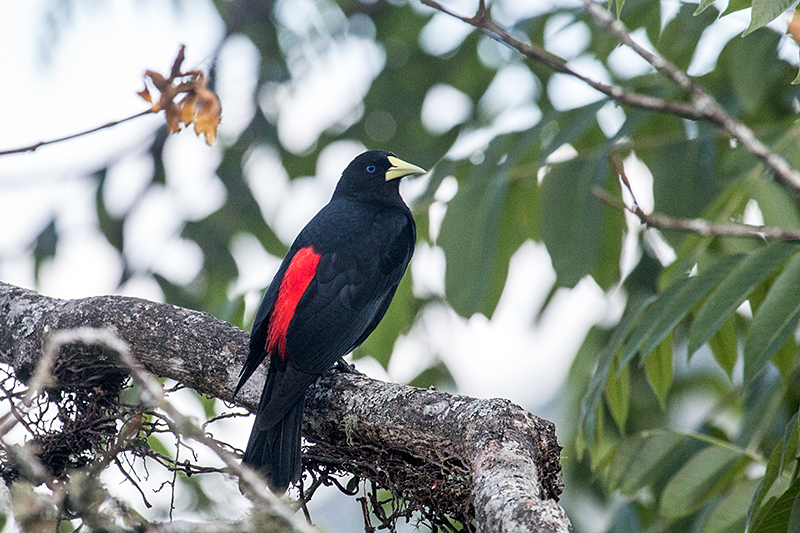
pixel 132 481
pixel 483 22
pixel 43 376
pixel 36 146
pixel 153 395
pixel 697 226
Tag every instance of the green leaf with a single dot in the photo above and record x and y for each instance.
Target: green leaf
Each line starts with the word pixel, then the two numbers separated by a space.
pixel 781 513
pixel 572 216
pixel 696 482
pixel 785 449
pixel 731 512
pixel 736 5
pixel 672 306
pixel 764 12
pixel 776 204
pixel 785 357
pixel 725 346
pixel 681 34
pixel 209 404
pixel 45 247
pixel 704 4
pixel 604 360
pixel 155 444
pixel 733 290
pixel 495 210
pixel 605 271
pixel 233 312
pixel 794 518
pixel 621 458
pixel 658 370
pixel 687 298
pixel 398 319
pixel 683 187
pixel 469 236
pixel 519 221
pixel 618 396
pixel 650 320
pixel 111 226
pixel 437 376
pixel 753 91
pixel 569 127
pixel 775 321
pixel 649 460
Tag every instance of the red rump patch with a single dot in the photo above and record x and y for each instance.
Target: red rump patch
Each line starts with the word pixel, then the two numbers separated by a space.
pixel 295 281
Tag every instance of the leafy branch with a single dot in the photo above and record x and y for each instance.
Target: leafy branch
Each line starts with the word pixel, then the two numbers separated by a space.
pixel 483 21
pixel 697 226
pixel 703 106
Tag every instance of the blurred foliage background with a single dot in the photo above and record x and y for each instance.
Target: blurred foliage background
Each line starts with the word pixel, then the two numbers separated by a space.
pixel 678 414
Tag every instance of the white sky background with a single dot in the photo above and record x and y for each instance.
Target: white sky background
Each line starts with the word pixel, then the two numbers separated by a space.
pixel 91 75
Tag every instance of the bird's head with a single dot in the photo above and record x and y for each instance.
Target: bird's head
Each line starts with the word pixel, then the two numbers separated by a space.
pixel 375 175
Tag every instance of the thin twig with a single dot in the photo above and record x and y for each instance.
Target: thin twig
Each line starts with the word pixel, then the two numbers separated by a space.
pixel 43 376
pixel 36 146
pixel 223 416
pixel 483 22
pixel 698 226
pixel 130 429
pixel 702 101
pixel 619 167
pixel 152 395
pixel 130 479
pixel 702 107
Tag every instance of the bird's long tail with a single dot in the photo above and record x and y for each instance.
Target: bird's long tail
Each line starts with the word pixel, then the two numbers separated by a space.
pixel 274 446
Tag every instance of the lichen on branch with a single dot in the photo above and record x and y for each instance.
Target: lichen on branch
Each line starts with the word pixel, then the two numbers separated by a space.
pixel 499 457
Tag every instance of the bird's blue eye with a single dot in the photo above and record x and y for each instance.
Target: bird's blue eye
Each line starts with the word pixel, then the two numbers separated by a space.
pixel 371 169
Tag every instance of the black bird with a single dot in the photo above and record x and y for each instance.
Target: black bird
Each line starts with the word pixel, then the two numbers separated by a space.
pixel 329 294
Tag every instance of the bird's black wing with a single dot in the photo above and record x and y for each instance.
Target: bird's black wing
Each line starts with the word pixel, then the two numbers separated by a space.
pixel 350 293
pixel 258 335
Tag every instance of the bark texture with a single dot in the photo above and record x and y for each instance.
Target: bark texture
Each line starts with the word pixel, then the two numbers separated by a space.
pixel 511 456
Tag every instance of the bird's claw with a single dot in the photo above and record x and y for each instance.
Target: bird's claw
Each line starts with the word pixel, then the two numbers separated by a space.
pixel 342 366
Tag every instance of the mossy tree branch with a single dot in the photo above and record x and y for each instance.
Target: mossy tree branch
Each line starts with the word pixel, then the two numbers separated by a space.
pixel 511 456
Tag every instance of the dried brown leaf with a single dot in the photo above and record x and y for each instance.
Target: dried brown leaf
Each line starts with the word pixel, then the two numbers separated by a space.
pixel 185 99
pixel 145 94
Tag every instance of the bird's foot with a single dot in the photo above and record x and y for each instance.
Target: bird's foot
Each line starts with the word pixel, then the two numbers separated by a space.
pixel 346 368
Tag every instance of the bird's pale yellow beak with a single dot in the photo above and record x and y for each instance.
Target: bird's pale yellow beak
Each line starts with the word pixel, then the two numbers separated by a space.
pixel 401 169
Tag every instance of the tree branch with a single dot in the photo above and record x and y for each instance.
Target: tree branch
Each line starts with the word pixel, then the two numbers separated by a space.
pixel 484 22
pixel 512 457
pixel 152 395
pixel 703 105
pixel 697 226
pixel 702 100
pixel 36 146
